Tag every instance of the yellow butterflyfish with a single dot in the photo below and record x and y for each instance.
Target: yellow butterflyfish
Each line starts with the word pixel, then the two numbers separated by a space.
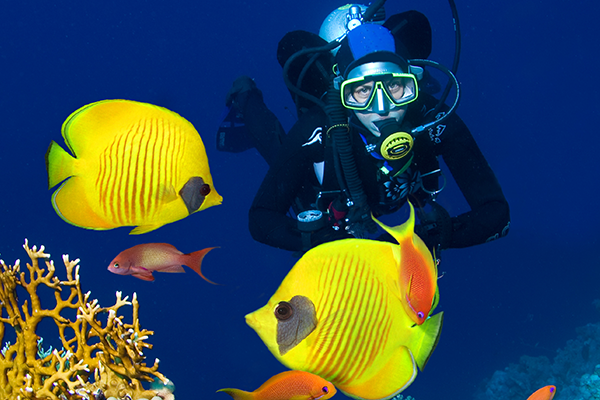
pixel 133 164
pixel 339 314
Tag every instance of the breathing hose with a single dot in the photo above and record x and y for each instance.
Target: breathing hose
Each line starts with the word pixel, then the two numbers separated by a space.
pixel 359 213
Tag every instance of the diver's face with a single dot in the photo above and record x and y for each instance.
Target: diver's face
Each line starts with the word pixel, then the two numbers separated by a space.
pixel 381 108
pixel 369 117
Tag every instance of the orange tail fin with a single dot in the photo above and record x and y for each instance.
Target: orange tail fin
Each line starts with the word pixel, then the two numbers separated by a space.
pixel 194 261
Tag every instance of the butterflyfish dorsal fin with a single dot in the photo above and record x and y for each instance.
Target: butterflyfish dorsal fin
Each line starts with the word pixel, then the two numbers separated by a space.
pixel 94 125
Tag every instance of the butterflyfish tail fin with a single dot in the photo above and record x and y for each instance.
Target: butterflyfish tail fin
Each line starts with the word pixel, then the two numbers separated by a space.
pixel 59 164
pixel 425 341
pixel 194 261
pixel 237 394
pixel 401 232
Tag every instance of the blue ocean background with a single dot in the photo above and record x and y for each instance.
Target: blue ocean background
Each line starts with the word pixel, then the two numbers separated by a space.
pixel 530 82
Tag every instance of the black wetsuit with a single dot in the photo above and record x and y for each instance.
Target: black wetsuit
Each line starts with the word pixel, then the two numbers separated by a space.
pixel 292 176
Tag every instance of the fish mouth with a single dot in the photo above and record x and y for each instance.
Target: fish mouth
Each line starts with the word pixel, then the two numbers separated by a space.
pixel 252 321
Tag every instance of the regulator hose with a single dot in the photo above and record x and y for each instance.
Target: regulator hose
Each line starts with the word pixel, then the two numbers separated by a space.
pixel 359 212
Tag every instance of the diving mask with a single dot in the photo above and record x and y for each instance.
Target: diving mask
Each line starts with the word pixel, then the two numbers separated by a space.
pixel 378 86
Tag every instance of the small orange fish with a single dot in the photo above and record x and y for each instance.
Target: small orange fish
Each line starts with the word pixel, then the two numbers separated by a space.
pixel 545 393
pixel 418 270
pixel 141 260
pixel 288 385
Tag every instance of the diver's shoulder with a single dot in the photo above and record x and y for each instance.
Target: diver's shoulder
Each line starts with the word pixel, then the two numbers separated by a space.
pixel 425 102
pixel 313 116
pixel 422 109
pixel 310 124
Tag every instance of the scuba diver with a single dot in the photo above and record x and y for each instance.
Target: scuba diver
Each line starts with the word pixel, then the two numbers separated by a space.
pixel 367 139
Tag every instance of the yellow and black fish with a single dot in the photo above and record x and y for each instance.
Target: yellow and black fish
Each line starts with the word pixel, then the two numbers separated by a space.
pixel 339 314
pixel 133 164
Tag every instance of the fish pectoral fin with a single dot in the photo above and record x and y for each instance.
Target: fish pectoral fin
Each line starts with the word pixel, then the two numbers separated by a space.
pixel 329 326
pixel 424 341
pixel 394 286
pixel 172 268
pixel 144 229
pixel 144 276
pixel 388 381
pixel 167 193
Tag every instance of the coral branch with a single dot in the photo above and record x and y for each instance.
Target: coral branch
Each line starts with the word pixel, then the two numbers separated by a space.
pixel 99 355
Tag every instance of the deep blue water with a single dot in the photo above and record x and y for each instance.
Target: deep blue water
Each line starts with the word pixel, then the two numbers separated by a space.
pixel 529 79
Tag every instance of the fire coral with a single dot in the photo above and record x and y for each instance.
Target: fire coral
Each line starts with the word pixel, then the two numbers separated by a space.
pixel 100 358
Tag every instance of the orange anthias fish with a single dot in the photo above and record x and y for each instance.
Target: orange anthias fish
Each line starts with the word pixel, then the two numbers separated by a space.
pixel 545 393
pixel 141 260
pixel 133 164
pixel 418 273
pixel 289 385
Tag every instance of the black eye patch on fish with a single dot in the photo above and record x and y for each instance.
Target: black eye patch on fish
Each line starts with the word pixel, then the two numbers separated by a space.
pixel 296 319
pixel 193 193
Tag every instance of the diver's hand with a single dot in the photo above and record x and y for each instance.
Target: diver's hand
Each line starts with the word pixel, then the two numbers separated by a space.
pixel 327 234
pixel 238 94
pixel 435 228
pixel 359 222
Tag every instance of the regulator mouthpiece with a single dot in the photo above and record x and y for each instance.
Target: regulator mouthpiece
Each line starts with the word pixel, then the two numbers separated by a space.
pixel 396 143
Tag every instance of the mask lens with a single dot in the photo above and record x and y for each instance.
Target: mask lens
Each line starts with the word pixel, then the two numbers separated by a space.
pixel 400 90
pixel 358 93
